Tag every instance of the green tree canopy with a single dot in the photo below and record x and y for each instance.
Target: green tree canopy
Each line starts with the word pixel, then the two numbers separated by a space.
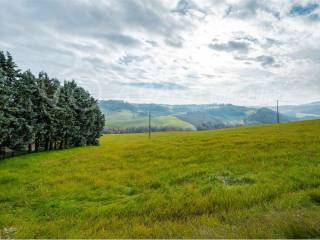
pixel 41 113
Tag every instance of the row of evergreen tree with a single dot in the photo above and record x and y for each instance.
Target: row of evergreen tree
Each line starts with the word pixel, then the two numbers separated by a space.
pixel 40 113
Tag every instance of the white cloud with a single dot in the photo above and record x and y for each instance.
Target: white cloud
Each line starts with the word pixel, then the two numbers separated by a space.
pixel 240 51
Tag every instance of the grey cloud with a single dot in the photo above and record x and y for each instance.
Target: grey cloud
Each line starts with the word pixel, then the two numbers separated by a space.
pixel 231 46
pixel 147 15
pixel 261 41
pixel 193 76
pixel 76 17
pixel 127 59
pixel 74 28
pixel 301 10
pixel 87 18
pixel 266 42
pixel 157 85
pixel 314 17
pixel 174 42
pixel 107 41
pixel 247 38
pixel 152 16
pixel 307 11
pixel 248 9
pixel 266 60
pixel 272 42
pixel 95 62
pixel 185 6
pixel 152 43
pixel 120 39
pixel 311 54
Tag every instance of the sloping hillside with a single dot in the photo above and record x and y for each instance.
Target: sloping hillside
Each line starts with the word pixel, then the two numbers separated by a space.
pixel 128 117
pixel 250 182
pixel 304 111
pixel 132 121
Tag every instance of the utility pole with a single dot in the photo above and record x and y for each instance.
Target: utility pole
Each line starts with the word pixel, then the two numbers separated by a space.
pixel 278 115
pixel 149 125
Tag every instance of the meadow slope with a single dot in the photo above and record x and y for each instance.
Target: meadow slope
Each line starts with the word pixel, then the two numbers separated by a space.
pixel 251 182
pixel 125 119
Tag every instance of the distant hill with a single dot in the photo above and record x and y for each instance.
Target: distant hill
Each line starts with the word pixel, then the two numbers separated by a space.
pixel 124 117
pixel 303 112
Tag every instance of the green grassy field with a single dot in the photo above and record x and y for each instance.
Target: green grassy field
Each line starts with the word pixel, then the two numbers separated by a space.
pixel 127 119
pixel 254 182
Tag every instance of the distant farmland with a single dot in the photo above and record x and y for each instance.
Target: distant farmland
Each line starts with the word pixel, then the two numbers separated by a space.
pixel 130 117
pixel 250 182
pixel 127 119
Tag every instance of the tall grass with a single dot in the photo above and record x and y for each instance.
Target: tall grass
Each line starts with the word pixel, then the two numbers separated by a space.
pixel 252 182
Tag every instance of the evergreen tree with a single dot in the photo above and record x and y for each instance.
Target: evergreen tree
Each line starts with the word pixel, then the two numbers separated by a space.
pixel 27 103
pixel 41 112
pixel 11 111
pixel 5 130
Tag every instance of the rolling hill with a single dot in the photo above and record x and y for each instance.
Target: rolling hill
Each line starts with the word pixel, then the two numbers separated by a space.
pixel 248 182
pixel 135 121
pixel 129 117
pixel 302 112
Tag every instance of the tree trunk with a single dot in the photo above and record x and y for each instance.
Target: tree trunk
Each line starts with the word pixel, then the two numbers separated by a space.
pixel 61 144
pixel 30 148
pixel 66 144
pixel 36 146
pixel 46 147
pixel 51 145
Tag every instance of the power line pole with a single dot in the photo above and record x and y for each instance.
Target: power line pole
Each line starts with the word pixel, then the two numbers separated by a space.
pixel 149 125
pixel 278 115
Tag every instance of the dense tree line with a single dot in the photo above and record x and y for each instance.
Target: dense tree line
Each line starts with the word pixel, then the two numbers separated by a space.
pixel 144 129
pixel 40 113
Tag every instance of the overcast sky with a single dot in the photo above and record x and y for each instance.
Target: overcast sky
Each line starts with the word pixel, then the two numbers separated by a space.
pixel 249 52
